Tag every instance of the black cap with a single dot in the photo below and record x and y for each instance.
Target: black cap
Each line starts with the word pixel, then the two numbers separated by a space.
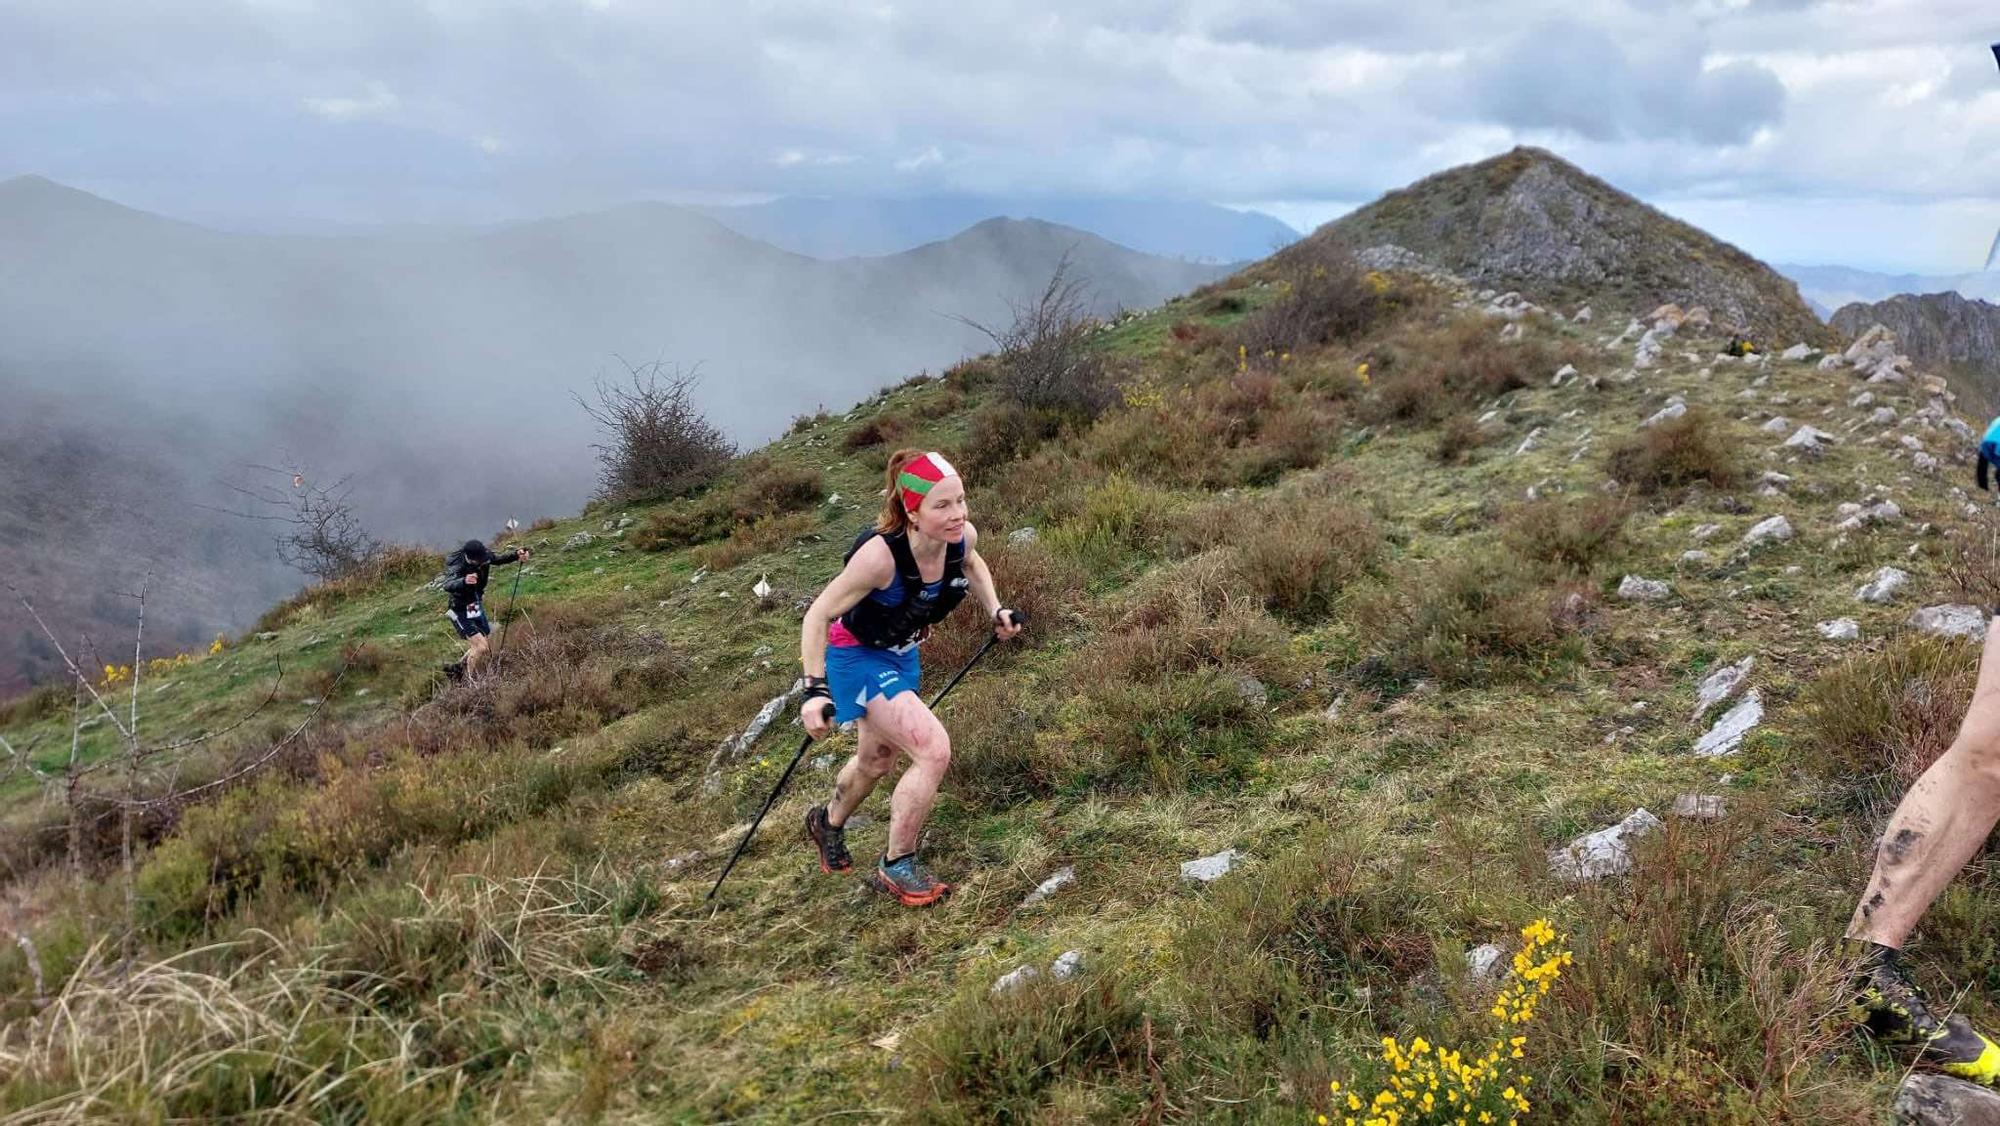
pixel 475 552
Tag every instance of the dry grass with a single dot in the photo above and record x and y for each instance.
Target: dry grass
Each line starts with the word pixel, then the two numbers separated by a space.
pixel 1689 450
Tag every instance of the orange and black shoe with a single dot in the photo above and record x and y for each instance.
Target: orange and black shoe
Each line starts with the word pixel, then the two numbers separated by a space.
pixel 831 842
pixel 909 882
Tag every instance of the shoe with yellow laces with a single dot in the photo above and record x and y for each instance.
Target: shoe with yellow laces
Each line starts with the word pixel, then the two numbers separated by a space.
pixel 1891 1007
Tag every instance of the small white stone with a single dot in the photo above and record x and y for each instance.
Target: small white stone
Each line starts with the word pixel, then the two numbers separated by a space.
pixel 1884 585
pixel 1778 425
pixel 1720 685
pixel 1213 867
pixel 1483 962
pixel 1635 589
pixel 1067 965
pixel 1063 877
pixel 1700 807
pixel 1735 723
pixel 1776 529
pixel 1840 629
pixel 1954 620
pixel 1015 979
pixel 1705 531
pixel 1606 852
pixel 1668 413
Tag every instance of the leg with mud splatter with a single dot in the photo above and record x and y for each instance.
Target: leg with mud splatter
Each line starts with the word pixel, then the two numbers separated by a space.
pixel 1942 821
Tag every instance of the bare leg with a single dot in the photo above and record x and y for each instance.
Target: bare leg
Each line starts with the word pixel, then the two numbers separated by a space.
pixel 1947 814
pixel 872 759
pixel 905 722
pixel 475 653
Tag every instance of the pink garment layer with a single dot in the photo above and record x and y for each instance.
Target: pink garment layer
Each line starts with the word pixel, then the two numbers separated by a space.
pixel 838 637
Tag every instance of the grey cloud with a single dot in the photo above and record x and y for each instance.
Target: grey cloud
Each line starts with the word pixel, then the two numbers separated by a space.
pixel 1568 77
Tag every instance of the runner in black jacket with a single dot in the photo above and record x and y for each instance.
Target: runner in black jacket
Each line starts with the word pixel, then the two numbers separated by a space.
pixel 465 583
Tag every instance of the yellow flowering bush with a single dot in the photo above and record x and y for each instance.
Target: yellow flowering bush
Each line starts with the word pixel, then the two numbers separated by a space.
pixel 116 674
pixel 1428 1083
pixel 216 646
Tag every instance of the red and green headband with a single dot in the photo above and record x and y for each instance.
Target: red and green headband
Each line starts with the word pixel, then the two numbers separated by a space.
pixel 918 475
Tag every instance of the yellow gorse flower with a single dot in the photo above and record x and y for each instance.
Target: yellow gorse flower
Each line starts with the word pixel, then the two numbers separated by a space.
pixel 1481 1086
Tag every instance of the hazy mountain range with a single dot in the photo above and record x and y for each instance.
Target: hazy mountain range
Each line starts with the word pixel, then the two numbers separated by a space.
pixel 436 368
pixel 1830 287
pixel 840 228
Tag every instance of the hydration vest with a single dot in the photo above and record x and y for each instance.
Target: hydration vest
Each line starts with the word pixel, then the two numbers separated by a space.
pixel 882 626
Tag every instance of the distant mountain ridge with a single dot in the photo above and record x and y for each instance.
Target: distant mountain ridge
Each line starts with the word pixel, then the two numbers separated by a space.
pixel 1835 286
pixel 1942 331
pixel 1528 220
pixel 844 228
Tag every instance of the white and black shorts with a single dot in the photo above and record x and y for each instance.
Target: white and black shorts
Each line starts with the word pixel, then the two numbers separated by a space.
pixel 470 620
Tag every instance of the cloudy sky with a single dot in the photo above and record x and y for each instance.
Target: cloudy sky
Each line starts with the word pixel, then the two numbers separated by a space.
pixel 1865 133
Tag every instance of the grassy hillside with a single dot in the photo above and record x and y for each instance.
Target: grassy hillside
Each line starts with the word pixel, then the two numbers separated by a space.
pixel 1359 624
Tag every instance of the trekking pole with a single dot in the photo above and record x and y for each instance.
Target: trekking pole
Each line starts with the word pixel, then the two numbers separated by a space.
pixel 507 615
pixel 991 641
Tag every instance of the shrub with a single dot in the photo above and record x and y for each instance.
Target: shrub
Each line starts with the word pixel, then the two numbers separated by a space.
pixel 1031 579
pixel 1570 533
pixel 39 703
pixel 1046 358
pixel 805 422
pixel 1429 375
pixel 764 488
pixel 1883 717
pixel 1471 620
pixel 767 534
pixel 1677 453
pixel 1459 436
pixel 1296 551
pixel 1334 917
pixel 1323 297
pixel 1001 1058
pixel 398 563
pixel 657 444
pixel 1003 432
pixel 1972 560
pixel 1117 524
pixel 877 431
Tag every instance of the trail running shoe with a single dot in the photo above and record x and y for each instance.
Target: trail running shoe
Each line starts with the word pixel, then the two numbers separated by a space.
pixel 1893 1010
pixel 909 882
pixel 831 842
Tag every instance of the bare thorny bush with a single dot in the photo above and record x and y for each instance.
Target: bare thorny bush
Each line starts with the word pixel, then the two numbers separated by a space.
pixel 1046 359
pixel 319 534
pixel 657 444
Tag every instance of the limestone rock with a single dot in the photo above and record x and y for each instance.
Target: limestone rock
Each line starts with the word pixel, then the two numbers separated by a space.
pixel 1705 531
pixel 1952 620
pixel 1929 1099
pixel 1840 629
pixel 1213 867
pixel 1021 536
pixel 1015 979
pixel 1720 685
pixel 1735 723
pixel 1635 589
pixel 1778 425
pixel 1563 375
pixel 1675 408
pixel 1700 807
pixel 1063 877
pixel 1807 439
pixel 1696 558
pixel 581 539
pixel 1607 852
pixel 1776 529
pixel 1067 965
pixel 1797 353
pixel 1484 962
pixel 1884 586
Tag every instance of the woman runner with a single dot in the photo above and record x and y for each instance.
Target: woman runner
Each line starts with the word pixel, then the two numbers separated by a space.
pixel 859 649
